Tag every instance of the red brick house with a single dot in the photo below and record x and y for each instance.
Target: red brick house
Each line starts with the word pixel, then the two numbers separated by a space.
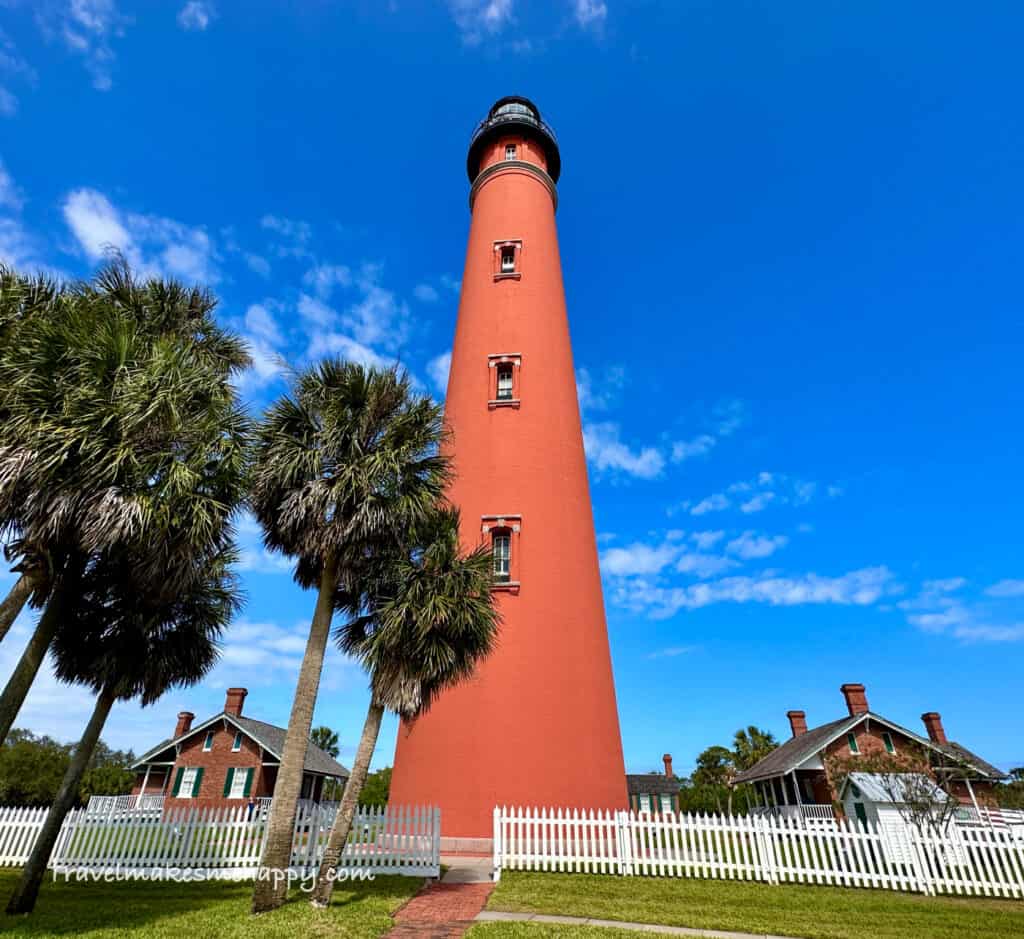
pixel 794 777
pixel 225 759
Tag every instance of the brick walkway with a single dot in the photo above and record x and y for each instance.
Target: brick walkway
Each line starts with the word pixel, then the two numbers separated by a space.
pixel 440 911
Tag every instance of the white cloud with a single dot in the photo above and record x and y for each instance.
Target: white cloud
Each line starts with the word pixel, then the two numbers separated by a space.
pixel 315 311
pixel 607 452
pixel 637 559
pixel 10 196
pixel 600 393
pixel 323 278
pixel 8 103
pixel 153 245
pixel 1006 588
pixel 703 565
pixel 590 14
pixel 330 343
pixel 86 28
pixel 707 539
pixel 438 368
pixel 760 492
pixel 671 652
pixel 294 236
pixel 698 446
pixel 477 19
pixel 750 545
pixel 196 15
pixel 758 503
pixel 257 264
pixel 713 503
pixel 425 293
pixel 861 587
pixel 260 322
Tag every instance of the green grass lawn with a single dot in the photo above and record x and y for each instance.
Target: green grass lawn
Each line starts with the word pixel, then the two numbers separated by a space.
pixel 197 911
pixel 806 912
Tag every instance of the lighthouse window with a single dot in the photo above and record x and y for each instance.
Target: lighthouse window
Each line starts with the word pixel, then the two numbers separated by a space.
pixel 510 151
pixel 508 260
pixel 502 548
pixel 504 382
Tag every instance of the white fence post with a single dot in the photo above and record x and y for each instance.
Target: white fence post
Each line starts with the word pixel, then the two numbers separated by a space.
pixel 497 848
pixel 625 843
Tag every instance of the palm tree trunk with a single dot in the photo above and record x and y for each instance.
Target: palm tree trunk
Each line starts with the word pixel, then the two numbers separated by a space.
pixel 271 880
pixel 12 604
pixel 25 671
pixel 338 837
pixel 23 900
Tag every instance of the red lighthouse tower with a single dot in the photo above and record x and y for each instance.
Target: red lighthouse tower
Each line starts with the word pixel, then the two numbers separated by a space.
pixel 537 725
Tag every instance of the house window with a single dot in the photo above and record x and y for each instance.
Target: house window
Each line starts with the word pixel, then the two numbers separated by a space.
pixel 808 789
pixel 238 782
pixel 504 389
pixel 510 151
pixel 508 259
pixel 501 546
pixel 666 804
pixel 890 747
pixel 237 745
pixel 645 802
pixel 189 780
pixel 208 742
pixel 851 741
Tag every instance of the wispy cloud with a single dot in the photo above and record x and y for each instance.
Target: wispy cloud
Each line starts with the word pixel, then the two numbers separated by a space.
pixel 153 245
pixel 438 368
pixel 590 14
pixel 757 494
pixel 196 15
pixel 861 587
pixel 87 29
pixel 751 545
pixel 292 236
pixel 607 452
pixel 671 652
pixel 1006 588
pixel 478 19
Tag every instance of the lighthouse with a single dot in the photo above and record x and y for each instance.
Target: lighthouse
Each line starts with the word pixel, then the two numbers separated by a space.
pixel 537 724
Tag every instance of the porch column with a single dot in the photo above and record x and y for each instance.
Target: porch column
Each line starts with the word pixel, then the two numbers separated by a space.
pixel 970 792
pixel 142 791
pixel 796 789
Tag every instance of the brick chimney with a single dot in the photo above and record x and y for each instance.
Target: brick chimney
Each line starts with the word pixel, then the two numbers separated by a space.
pixel 933 724
pixel 667 758
pixel 184 724
pixel 234 700
pixel 856 699
pixel 797 722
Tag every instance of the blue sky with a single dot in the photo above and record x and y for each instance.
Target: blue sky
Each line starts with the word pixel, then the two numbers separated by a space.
pixel 791 244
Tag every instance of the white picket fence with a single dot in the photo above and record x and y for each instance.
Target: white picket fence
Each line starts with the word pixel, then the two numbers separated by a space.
pixel 224 842
pixel 965 861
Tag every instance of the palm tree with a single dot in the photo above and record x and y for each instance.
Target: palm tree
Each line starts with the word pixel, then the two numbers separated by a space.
pixel 751 744
pixel 125 640
pixel 326 739
pixel 348 459
pixel 119 429
pixel 420 621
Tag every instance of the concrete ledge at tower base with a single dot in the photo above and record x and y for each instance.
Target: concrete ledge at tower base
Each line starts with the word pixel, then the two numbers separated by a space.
pixel 479 846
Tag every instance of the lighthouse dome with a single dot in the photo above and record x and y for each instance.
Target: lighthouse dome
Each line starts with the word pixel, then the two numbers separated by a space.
pixel 521 115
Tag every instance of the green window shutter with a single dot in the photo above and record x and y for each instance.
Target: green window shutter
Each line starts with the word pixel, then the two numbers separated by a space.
pixel 227 782
pixel 851 739
pixel 177 781
pixel 198 782
pixel 248 782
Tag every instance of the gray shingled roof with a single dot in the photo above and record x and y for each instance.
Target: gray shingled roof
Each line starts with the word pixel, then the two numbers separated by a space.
pixel 789 755
pixel 268 736
pixel 651 784
pixel 793 752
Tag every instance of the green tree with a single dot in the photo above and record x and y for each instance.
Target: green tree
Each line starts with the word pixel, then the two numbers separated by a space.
pixel 326 739
pixel 345 462
pixel 750 745
pixel 715 767
pixel 129 640
pixel 31 768
pixel 377 788
pixel 420 620
pixel 119 430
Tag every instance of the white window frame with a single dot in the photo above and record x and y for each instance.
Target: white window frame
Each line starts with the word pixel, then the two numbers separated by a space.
pixel 852 742
pixel 208 742
pixel 188 782
pixel 510 151
pixel 890 744
pixel 236 744
pixel 505 537
pixel 239 780
pixel 644 800
pixel 506 371
pixel 666 803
